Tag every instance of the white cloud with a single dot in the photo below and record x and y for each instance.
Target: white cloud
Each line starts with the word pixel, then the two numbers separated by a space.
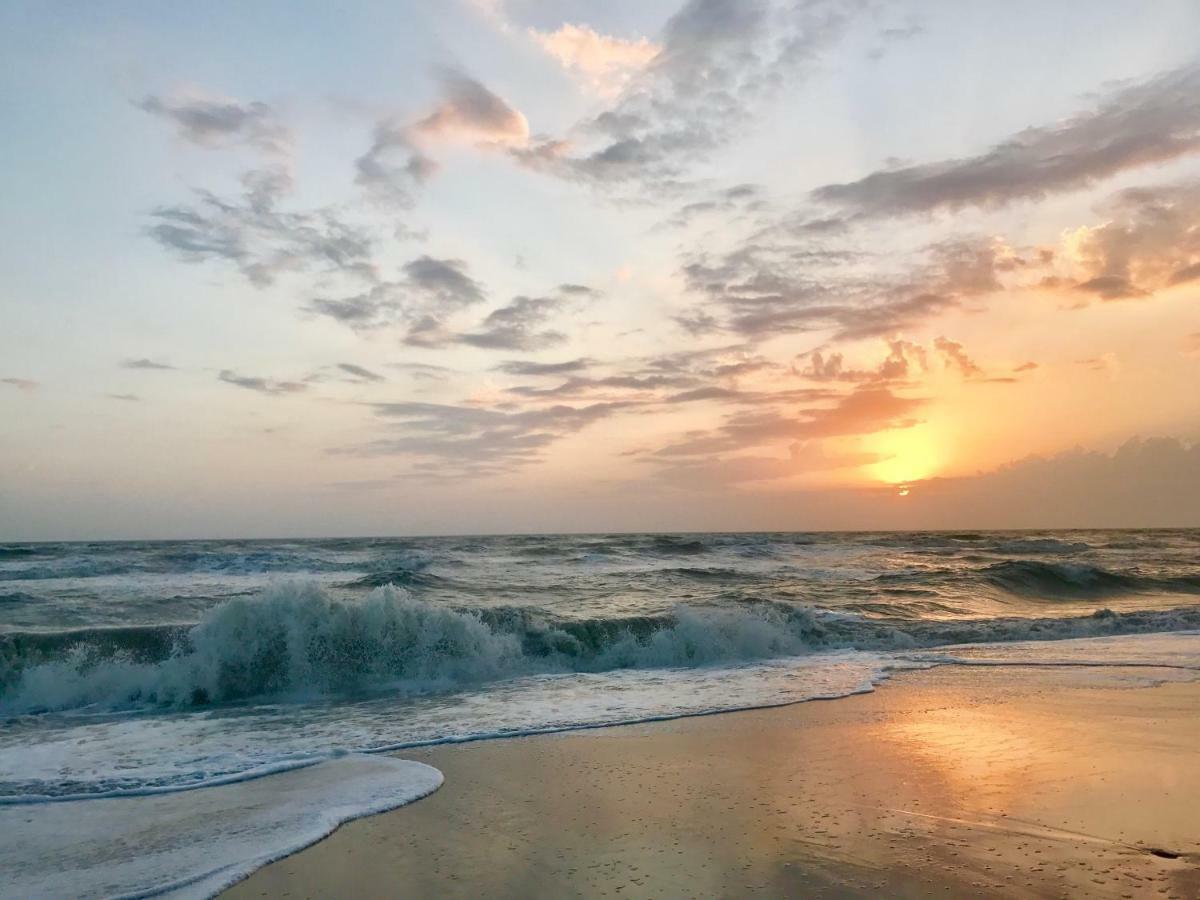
pixel 601 62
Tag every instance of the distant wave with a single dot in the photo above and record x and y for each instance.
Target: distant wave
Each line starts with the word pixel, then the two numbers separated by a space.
pixel 18 551
pixel 399 577
pixel 1039 545
pixel 678 546
pixel 295 641
pixel 1033 579
pixel 1036 578
pixel 174 560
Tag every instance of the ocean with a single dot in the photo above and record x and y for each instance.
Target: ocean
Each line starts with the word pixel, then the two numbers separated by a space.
pixel 195 698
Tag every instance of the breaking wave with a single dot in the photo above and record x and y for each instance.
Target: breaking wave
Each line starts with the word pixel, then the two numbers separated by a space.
pixel 295 642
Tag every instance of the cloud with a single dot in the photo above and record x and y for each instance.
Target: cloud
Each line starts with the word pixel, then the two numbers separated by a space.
pixel 762 289
pixel 359 373
pixel 216 122
pixel 128 398
pixel 954 356
pixel 21 384
pixel 728 204
pixel 718 62
pixel 864 411
pixel 469 111
pixel 147 364
pixel 515 326
pixel 1149 241
pixel 1152 122
pixel 522 367
pixel 261 385
pixel 464 441
pixel 261 240
pixel 432 290
pixel 395 164
pixel 425 371
pixel 1145 483
pixel 904 359
pixel 393 167
pixel 718 472
pixel 601 62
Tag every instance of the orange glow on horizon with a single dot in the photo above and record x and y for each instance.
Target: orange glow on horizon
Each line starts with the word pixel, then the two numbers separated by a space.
pixel 911 454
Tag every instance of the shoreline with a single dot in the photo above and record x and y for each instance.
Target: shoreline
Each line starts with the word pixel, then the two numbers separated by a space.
pixel 952 781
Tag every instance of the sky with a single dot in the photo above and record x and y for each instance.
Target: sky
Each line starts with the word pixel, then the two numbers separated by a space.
pixel 302 269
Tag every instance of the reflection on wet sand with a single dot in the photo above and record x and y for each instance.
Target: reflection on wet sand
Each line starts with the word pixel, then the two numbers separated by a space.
pixel 1046 783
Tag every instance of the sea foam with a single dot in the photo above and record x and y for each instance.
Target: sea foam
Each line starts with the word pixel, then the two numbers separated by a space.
pixel 196 843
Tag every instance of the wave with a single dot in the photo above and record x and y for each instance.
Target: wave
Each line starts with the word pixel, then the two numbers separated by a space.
pixel 1032 579
pixel 1038 579
pixel 663 545
pixel 295 642
pixel 18 551
pixel 1039 545
pixel 235 560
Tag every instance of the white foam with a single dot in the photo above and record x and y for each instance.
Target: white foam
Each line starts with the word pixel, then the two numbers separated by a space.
pixel 74 755
pixel 194 843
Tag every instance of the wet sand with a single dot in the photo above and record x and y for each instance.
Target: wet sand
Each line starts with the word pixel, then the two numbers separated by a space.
pixel 954 782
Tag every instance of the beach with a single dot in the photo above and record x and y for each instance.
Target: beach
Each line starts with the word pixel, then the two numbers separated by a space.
pixel 1033 781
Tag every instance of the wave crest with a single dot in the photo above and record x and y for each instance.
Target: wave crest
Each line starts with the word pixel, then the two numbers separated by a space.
pixel 295 642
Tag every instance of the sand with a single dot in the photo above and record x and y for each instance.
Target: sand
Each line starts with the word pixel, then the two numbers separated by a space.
pixel 954 782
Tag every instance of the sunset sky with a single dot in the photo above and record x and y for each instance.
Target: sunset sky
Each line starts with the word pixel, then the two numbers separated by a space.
pixel 297 268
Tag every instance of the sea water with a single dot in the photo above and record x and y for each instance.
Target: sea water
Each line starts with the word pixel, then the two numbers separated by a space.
pixel 161 687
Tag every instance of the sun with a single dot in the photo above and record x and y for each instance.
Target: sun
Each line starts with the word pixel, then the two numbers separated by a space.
pixel 910 454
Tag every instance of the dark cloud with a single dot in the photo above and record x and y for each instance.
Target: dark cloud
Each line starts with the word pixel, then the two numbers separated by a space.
pixel 522 367
pixel 432 290
pixel 144 363
pixel 261 385
pixel 425 371
pixel 626 384
pixel 516 326
pixel 444 280
pixel 21 384
pixel 577 290
pixel 217 122
pixel 1152 122
pixel 358 373
pixel 1110 287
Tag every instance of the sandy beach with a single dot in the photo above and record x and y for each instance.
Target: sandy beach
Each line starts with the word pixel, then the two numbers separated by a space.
pixel 1033 782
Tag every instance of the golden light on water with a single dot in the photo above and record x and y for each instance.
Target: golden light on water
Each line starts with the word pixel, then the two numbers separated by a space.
pixel 910 454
